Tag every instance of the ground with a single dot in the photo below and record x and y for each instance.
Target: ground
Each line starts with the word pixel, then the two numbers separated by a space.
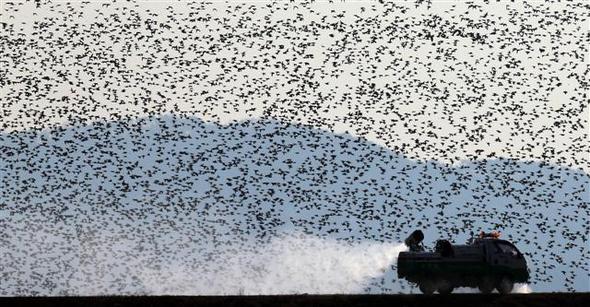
pixel 513 300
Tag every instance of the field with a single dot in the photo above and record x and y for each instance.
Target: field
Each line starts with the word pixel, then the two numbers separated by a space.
pixel 535 299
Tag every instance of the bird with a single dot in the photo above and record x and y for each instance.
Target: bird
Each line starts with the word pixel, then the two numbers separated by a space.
pixel 194 148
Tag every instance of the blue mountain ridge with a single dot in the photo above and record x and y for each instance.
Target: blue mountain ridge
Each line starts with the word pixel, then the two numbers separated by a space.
pixel 158 179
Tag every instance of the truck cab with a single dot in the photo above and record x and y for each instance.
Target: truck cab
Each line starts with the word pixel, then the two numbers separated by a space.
pixel 504 256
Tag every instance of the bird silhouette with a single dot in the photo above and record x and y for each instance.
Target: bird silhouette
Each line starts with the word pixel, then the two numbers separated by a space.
pixel 143 140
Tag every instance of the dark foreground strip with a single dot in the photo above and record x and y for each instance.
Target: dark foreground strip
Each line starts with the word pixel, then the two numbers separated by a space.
pixel 513 300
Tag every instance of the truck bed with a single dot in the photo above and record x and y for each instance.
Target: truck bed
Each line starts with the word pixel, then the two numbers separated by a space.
pixel 412 265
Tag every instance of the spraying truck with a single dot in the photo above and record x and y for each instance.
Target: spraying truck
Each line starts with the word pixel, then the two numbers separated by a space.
pixel 485 262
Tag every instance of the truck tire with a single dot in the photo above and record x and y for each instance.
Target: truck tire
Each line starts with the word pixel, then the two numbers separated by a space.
pixel 505 285
pixel 445 287
pixel 427 287
pixel 486 285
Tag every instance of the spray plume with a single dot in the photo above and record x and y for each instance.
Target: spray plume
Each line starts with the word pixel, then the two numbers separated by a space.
pixel 288 264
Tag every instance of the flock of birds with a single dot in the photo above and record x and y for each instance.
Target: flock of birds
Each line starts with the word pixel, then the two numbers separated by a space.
pixel 138 135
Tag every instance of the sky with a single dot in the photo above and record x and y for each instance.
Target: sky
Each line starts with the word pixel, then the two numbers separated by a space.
pixel 446 83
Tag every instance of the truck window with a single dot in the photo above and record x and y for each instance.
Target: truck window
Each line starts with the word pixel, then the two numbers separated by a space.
pixel 507 249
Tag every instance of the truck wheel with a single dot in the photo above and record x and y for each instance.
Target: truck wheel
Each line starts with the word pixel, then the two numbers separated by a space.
pixel 445 287
pixel 486 286
pixel 505 285
pixel 427 287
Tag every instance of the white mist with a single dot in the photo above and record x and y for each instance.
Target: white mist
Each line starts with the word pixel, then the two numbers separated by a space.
pixel 287 265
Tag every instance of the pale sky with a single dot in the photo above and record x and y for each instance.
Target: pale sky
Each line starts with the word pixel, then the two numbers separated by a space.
pixel 452 82
pixel 542 88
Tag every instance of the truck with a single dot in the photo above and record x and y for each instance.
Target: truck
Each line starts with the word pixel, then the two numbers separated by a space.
pixel 485 262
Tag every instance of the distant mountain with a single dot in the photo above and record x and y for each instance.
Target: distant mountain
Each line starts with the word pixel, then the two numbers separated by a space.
pixel 171 187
